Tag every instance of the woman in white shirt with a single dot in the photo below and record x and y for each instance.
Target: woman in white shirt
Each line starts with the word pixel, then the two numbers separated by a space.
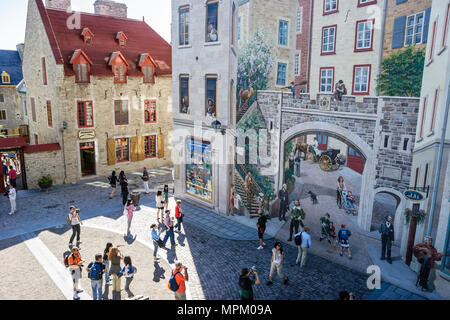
pixel 277 263
pixel 159 204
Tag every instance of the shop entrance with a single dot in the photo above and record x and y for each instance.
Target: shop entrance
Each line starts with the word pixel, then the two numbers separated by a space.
pixel 87 158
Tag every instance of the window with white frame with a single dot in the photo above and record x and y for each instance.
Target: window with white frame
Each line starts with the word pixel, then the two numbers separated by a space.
pixel 298 26
pixel 364 30
pixel 330 6
pixel 239 28
pixel 433 113
pixel 385 141
pixel 297 63
pixel 328 40
pixel 281 74
pixel 406 143
pixel 283 32
pixel 444 34
pixel 414 29
pixel 361 79
pixel 326 79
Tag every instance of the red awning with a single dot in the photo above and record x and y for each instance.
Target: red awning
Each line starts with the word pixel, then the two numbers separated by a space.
pixel 12 143
pixel 42 147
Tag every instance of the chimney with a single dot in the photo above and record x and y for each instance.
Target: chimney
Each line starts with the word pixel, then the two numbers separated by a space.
pixel 58 4
pixel 20 48
pixel 110 8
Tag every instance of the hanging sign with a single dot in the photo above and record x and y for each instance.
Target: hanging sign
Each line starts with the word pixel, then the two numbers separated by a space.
pixel 414 195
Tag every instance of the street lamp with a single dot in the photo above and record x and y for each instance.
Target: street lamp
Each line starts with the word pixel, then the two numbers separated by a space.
pixel 217 125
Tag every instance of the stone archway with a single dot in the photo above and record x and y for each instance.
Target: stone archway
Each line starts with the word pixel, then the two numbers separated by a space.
pixel 349 137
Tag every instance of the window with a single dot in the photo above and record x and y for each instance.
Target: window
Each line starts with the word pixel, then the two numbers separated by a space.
pixel 239 28
pixel 433 114
pixel 414 29
pixel 121 112
pixel 364 35
pixel 184 94
pixel 362 3
pixel 432 41
pixel 281 74
pixel 2 97
pixel 297 64
pixel 405 145
pixel 415 179
pixel 85 114
pixel 386 141
pixel 184 25
pixel 36 139
pixel 425 177
pixel 87 35
pixel 88 40
pixel 6 78
pixel 150 111
pixel 150 146
pixel 212 20
pixel 33 110
pixel 444 34
pixel 232 97
pixel 44 72
pixel 233 24
pixel 2 115
pixel 326 79
pixel 329 40
pixel 361 79
pixel 121 39
pixel 425 101
pixel 82 73
pixel 120 74
pixel 148 74
pixel 299 24
pixel 283 29
pixel 49 114
pixel 211 95
pixel 330 6
pixel 122 150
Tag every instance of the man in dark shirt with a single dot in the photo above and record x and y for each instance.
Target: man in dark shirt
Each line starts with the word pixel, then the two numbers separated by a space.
pixel 145 179
pixel 246 283
pixel 387 238
pixel 124 189
pixel 283 195
pixel 261 224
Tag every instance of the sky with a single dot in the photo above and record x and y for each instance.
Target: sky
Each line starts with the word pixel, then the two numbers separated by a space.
pixel 157 14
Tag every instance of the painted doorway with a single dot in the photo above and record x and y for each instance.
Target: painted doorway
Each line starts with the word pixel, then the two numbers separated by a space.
pixel 354 160
pixel 87 158
pixel 323 142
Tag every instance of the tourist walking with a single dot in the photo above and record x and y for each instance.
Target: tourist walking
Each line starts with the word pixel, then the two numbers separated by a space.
pixel 344 238
pixel 75 264
pixel 113 183
pixel 130 208
pixel 12 199
pixel 157 242
pixel 95 273
pixel 297 215
pixel 107 263
pixel 128 272
pixel 177 281
pixel 166 196
pixel 179 215
pixel 75 222
pixel 283 195
pixel 261 225
pixel 145 179
pixel 124 187
pixel 276 263
pixel 159 205
pixel 12 176
pixel 168 223
pixel 386 229
pixel 303 242
pixel 114 257
pixel 246 283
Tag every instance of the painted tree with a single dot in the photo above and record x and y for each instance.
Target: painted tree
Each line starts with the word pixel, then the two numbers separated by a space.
pixel 401 73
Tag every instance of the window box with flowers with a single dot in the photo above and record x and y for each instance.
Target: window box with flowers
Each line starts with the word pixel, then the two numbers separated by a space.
pixel 420 216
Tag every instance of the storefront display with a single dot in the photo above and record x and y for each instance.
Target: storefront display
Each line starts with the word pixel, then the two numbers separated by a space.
pixel 199 169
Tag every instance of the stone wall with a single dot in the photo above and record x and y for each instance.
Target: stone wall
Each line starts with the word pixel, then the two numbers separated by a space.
pixel 11 105
pixel 110 8
pixel 302 44
pixel 38 164
pixel 58 4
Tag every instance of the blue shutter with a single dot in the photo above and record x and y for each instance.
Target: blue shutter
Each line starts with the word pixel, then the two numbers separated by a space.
pixel 426 25
pixel 401 1
pixel 399 32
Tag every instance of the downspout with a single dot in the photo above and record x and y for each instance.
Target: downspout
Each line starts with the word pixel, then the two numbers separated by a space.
pixel 383 28
pixel 311 10
pixel 439 163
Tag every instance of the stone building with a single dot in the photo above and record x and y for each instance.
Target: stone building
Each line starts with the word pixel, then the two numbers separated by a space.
pixel 204 55
pixel 12 111
pixel 346 45
pixel 431 154
pixel 406 24
pixel 288 23
pixel 99 85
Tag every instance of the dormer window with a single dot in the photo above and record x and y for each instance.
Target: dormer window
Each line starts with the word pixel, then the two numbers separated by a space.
pixel 87 35
pixel 6 79
pixel 148 67
pixel 119 66
pixel 122 39
pixel 81 66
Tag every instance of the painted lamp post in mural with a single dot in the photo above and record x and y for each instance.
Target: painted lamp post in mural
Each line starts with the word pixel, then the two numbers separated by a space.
pixel 414 216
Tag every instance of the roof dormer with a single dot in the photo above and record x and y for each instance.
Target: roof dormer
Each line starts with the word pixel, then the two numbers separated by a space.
pixel 121 39
pixel 81 66
pixel 6 78
pixel 119 65
pixel 87 35
pixel 148 67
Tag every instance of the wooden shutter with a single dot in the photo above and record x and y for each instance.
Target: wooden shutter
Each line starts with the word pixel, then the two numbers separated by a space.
pixel 399 32
pixel 140 148
pixel 426 25
pixel 160 146
pixel 111 147
pixel 134 149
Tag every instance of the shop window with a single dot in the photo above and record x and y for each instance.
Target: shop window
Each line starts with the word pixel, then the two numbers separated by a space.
pixel 121 112
pixel 122 150
pixel 150 111
pixel 85 114
pixel 211 95
pixel 212 19
pixel 184 94
pixel 199 170
pixel 150 146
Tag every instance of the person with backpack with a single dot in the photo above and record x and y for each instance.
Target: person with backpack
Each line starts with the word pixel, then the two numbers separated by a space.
pixel 159 205
pixel 276 262
pixel 113 183
pixel 343 238
pixel 157 242
pixel 246 283
pixel 145 179
pixel 303 243
pixel 129 208
pixel 74 263
pixel 128 272
pixel 115 256
pixel 261 225
pixel 95 273
pixel 177 281
pixel 74 220
pixel 179 215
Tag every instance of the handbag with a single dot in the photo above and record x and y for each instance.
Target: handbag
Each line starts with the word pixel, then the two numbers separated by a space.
pixel 160 243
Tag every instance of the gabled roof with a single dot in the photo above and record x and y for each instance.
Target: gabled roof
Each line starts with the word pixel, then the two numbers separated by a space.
pixel 141 38
pixel 145 56
pixel 116 54
pixel 11 63
pixel 77 53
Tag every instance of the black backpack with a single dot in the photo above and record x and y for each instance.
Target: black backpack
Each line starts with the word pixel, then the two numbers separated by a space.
pixel 66 259
pixel 298 239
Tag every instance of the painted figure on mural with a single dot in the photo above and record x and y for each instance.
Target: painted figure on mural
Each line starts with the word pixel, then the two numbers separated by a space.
pixel 315 149
pixel 283 195
pixel 291 162
pixel 426 255
pixel 297 166
pixel 386 229
pixel 212 33
pixel 340 188
pixel 245 95
pixel 340 90
pixel 211 108
pixel 185 105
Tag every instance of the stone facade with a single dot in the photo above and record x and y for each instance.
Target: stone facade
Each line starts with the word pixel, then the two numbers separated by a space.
pixel 9 104
pixel 110 8
pixel 38 164
pixel 58 4
pixel 303 35
pixel 404 9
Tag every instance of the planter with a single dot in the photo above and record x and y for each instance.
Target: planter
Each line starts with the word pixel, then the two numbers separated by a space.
pixel 45 185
